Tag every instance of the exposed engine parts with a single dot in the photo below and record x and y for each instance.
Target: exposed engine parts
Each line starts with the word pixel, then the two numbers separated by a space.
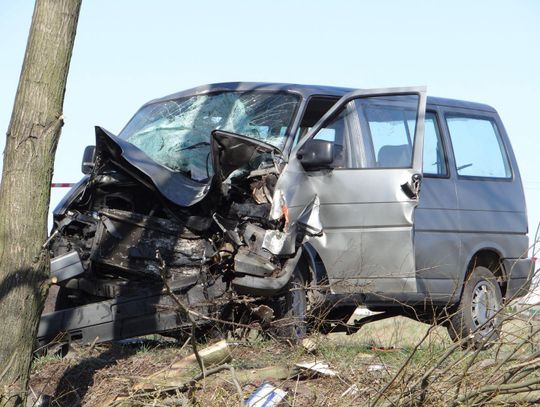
pixel 173 205
pixel 119 235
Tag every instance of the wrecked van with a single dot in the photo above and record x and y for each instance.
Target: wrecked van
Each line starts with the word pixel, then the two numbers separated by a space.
pixel 235 202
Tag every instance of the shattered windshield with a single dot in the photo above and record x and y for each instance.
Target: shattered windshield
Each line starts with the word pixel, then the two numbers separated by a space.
pixel 176 133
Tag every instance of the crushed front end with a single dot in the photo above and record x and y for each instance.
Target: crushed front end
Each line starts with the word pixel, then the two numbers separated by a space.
pixel 171 224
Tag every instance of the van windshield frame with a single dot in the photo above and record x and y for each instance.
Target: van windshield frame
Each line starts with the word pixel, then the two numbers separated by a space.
pixel 176 133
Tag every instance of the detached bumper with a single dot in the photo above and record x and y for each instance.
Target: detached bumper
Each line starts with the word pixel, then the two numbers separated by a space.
pixel 519 276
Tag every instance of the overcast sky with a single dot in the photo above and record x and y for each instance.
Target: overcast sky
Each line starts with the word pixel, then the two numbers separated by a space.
pixel 127 52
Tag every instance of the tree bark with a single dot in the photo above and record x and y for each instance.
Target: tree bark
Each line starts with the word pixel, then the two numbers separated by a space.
pixel 31 142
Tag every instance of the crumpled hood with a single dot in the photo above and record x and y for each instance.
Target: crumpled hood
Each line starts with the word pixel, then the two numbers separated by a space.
pixel 229 152
pixel 174 186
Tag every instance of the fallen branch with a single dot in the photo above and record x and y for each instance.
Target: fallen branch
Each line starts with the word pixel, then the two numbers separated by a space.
pixel 174 374
pixel 183 387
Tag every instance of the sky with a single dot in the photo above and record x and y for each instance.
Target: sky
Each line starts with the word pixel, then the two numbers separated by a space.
pixel 130 51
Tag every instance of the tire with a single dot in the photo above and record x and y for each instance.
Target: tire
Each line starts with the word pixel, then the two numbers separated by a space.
pixel 476 321
pixel 291 311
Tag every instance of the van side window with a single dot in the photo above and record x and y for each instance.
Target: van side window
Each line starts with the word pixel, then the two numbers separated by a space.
pixel 391 138
pixel 373 132
pixel 434 159
pixel 387 129
pixel 478 148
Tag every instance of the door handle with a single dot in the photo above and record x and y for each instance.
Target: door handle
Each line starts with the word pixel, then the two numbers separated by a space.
pixel 412 188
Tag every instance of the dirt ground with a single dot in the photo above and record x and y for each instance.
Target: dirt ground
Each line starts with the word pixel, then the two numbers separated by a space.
pixel 89 376
pixel 364 363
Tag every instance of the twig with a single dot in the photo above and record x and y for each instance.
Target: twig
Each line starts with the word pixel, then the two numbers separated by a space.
pixel 237 385
pixel 530 385
pixel 184 308
pixel 402 367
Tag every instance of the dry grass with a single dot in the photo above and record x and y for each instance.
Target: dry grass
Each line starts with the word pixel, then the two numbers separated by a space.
pixel 391 354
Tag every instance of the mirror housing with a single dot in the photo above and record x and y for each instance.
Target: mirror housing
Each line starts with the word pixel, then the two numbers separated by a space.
pixel 88 160
pixel 316 154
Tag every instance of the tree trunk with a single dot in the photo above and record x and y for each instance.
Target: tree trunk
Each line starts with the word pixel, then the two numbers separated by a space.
pixel 32 138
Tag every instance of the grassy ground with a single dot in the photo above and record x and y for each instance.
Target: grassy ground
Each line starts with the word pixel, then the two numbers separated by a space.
pixel 380 354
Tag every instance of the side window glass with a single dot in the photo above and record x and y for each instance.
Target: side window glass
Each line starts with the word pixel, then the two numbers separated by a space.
pixel 327 133
pixel 388 125
pixel 478 148
pixel 434 162
pixel 391 140
pixel 373 132
pixel 337 133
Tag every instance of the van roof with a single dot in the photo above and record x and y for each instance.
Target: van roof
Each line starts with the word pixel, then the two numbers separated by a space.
pixel 306 91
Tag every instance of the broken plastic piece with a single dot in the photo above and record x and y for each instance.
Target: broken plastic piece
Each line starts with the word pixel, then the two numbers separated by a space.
pixel 66 266
pixel 317 368
pixel 278 242
pixel 266 395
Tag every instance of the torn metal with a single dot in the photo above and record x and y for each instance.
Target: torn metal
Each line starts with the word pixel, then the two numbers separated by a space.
pixel 176 200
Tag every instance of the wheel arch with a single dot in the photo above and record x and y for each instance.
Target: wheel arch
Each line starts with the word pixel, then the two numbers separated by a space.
pixel 489 257
pixel 312 266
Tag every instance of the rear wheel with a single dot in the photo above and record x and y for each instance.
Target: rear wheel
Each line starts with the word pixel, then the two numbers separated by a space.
pixel 477 319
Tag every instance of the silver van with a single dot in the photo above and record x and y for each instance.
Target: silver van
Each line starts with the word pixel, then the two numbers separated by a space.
pixel 283 202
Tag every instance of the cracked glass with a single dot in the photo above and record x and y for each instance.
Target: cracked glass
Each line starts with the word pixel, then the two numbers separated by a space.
pixel 176 133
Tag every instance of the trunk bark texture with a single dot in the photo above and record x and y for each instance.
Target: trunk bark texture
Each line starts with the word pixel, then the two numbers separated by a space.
pixel 31 143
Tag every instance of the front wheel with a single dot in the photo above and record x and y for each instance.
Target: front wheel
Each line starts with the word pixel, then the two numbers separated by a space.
pixel 291 309
pixel 477 319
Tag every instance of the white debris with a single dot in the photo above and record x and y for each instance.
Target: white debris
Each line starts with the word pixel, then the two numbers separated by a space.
pixel 317 367
pixel 351 391
pixel 266 395
pixel 363 312
pixel 375 368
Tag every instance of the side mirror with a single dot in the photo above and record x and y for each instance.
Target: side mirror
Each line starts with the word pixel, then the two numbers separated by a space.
pixel 88 160
pixel 316 154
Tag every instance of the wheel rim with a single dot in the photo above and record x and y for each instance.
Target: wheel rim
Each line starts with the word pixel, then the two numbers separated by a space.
pixel 484 307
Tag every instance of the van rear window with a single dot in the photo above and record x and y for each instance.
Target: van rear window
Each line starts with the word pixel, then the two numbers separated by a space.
pixel 478 148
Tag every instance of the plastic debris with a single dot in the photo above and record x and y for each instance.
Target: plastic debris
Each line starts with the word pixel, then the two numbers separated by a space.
pixel 265 395
pixel 317 368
